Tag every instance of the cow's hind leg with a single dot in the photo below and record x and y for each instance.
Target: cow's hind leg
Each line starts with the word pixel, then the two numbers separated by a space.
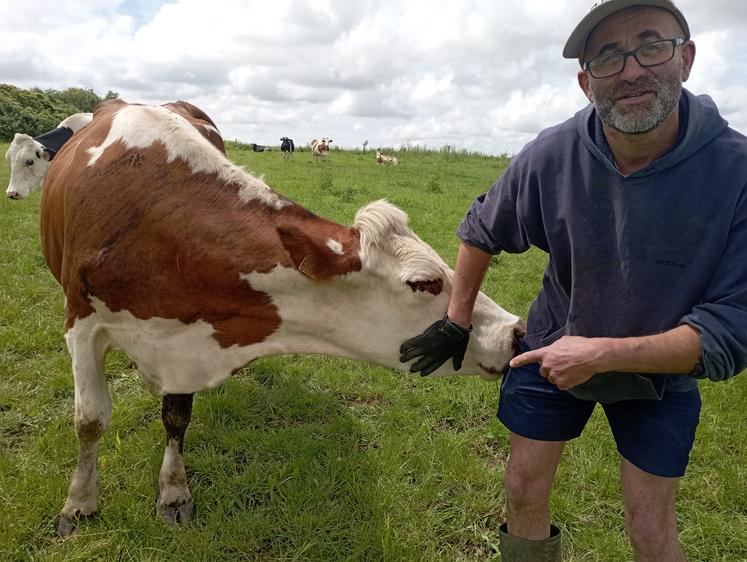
pixel 175 502
pixel 93 409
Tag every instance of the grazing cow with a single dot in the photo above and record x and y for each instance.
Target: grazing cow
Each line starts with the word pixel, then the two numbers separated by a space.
pixel 287 147
pixel 260 148
pixel 194 267
pixel 384 159
pixel 320 148
pixel 29 157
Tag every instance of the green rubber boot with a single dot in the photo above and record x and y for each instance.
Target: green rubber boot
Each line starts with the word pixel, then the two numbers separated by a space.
pixel 517 549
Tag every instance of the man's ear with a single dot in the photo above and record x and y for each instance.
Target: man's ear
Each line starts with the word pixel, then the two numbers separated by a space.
pixel 688 57
pixel 585 85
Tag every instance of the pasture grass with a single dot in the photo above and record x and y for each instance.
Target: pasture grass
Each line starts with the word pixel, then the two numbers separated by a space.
pixel 316 458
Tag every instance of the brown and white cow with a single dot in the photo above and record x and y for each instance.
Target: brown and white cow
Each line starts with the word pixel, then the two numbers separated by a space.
pixel 193 267
pixel 320 148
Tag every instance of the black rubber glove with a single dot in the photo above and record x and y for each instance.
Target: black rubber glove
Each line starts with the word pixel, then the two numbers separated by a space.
pixel 442 340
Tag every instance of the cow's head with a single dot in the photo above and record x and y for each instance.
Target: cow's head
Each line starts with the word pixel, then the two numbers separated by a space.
pixel 372 286
pixel 29 162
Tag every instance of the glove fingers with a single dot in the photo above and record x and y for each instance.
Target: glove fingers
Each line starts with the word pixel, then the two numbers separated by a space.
pixel 430 368
pixel 407 354
pixel 421 364
pixel 412 343
pixel 458 358
pixel 426 365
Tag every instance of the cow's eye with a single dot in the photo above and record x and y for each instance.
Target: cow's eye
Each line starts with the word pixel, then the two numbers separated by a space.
pixel 38 155
pixel 29 162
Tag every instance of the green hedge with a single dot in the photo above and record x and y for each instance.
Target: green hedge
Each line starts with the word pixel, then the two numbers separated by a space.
pixel 37 111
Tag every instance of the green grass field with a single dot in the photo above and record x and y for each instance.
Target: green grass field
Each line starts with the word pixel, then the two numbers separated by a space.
pixel 316 458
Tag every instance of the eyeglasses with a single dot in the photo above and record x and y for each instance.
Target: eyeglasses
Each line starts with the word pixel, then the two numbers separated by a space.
pixel 651 54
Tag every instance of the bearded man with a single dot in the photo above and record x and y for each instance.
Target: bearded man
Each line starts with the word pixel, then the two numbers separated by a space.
pixel 640 201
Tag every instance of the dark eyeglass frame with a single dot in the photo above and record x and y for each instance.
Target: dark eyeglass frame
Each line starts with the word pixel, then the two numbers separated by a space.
pixel 676 42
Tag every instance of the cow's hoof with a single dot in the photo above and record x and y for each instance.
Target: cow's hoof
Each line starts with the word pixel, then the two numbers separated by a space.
pixel 66 526
pixel 177 513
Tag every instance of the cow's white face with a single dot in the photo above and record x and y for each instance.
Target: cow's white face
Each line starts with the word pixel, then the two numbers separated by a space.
pixel 402 287
pixel 29 163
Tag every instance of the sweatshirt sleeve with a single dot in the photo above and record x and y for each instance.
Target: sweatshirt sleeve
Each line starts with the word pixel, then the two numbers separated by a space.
pixel 495 222
pixel 721 318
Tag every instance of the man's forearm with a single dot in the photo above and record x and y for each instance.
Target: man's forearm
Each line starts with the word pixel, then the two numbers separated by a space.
pixel 471 265
pixel 674 351
pixel 572 360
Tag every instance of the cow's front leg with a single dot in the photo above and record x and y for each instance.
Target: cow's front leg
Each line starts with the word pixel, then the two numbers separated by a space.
pixel 93 411
pixel 175 502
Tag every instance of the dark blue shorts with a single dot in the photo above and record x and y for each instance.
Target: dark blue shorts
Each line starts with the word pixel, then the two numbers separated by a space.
pixel 654 435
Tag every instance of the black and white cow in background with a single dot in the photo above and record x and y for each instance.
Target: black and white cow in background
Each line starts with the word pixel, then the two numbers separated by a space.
pixel 260 148
pixel 29 157
pixel 287 147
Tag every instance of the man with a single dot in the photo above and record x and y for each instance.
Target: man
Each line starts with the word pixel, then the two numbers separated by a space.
pixel 640 200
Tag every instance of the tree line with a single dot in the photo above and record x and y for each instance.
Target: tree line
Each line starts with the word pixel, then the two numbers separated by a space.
pixel 37 111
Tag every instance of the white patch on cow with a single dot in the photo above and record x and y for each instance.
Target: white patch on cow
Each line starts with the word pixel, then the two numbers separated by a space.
pixel 355 316
pixel 173 491
pixel 140 126
pixel 76 121
pixel 173 357
pixel 335 246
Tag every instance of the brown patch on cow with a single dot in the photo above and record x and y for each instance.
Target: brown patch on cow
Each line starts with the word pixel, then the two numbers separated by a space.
pixel 306 243
pixel 157 240
pixel 433 287
pixel 89 431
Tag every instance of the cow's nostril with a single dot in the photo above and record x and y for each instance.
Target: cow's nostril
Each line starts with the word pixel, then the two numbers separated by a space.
pixel 14 195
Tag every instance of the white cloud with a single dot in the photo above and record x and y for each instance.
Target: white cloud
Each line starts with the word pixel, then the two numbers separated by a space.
pixel 474 74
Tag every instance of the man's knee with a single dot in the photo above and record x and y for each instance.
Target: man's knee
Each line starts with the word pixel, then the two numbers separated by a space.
pixel 650 531
pixel 527 485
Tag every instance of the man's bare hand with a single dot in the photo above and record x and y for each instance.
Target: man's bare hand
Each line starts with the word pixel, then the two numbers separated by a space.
pixel 568 362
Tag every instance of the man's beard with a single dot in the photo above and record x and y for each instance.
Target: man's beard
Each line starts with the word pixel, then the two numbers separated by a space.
pixel 636 120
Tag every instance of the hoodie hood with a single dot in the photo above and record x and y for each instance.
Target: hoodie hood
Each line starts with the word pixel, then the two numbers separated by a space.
pixel 703 124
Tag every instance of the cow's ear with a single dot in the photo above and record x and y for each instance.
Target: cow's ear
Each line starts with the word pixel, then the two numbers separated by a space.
pixel 317 257
pixel 46 155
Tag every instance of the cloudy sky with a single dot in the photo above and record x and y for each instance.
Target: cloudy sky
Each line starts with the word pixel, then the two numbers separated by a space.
pixel 476 74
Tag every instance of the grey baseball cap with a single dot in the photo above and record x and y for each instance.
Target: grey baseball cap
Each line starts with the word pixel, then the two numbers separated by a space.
pixel 574 47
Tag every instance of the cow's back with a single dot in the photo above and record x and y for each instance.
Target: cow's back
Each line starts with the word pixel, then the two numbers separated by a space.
pixel 200 120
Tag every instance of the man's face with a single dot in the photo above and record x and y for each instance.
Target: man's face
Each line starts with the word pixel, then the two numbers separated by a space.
pixel 638 99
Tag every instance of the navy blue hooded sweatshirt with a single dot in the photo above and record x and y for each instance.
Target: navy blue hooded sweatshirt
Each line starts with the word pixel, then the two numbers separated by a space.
pixel 630 255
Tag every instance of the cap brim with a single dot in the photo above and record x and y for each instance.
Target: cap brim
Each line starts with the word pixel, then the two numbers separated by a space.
pixel 574 47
